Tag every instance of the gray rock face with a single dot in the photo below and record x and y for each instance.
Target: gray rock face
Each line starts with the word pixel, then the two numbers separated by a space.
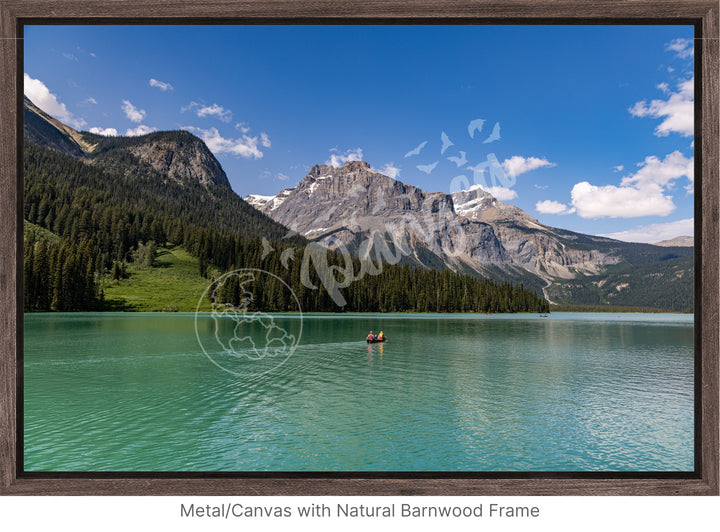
pixel 347 195
pixel 352 204
pixel 478 205
pixel 181 156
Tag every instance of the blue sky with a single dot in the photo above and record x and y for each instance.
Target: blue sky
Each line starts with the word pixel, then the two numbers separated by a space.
pixel 595 122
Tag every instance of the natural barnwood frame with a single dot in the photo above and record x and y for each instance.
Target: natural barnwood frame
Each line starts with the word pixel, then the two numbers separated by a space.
pixel 703 14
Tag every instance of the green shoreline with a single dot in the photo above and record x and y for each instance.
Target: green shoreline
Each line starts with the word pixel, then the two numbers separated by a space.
pixel 610 309
pixel 174 284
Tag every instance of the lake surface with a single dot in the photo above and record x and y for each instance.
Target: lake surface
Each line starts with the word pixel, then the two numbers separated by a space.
pixel 570 392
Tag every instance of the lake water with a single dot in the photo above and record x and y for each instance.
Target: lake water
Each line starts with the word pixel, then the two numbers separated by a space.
pixel 570 392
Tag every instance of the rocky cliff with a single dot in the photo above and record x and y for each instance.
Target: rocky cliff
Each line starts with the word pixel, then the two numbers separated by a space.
pixel 372 214
pixel 467 229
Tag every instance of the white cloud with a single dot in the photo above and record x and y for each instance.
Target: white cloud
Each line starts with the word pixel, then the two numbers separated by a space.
pixel 390 170
pixel 517 165
pixel 654 171
pixel 618 168
pixel 243 127
pixel 140 130
pixel 106 131
pixel 683 48
pixel 161 85
pixel 500 193
pixel 245 146
pixel 41 96
pixel 338 160
pixel 281 176
pixel 265 140
pixel 91 100
pixel 133 113
pixel 650 234
pixel 218 111
pixel 644 193
pixel 610 201
pixel 553 207
pixel 678 111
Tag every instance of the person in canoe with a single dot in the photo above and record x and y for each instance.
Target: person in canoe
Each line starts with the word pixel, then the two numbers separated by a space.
pixel 373 338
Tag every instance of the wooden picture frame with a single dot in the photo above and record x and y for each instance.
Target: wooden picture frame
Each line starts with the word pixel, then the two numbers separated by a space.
pixel 702 14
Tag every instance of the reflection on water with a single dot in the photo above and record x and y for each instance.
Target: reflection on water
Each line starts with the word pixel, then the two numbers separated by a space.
pixel 572 392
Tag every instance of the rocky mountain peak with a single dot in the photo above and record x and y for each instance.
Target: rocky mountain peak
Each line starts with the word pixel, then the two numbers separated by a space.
pixel 353 179
pixel 481 206
pixel 318 170
pixel 181 156
pixel 355 166
pixel 350 167
pixel 468 230
pixel 470 203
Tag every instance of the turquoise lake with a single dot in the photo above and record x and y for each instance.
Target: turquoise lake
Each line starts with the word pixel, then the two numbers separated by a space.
pixel 450 392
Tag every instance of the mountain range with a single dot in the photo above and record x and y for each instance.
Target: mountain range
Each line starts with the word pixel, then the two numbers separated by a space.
pixel 356 209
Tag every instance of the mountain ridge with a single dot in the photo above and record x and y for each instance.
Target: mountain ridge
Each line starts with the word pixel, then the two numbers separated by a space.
pixel 173 168
pixel 41 129
pixel 359 209
pixel 682 241
pixel 178 154
pixel 468 228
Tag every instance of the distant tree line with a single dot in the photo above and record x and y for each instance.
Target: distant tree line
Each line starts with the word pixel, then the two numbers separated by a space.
pixel 400 288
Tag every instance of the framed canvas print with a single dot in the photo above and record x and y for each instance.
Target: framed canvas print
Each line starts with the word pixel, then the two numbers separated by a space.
pixel 280 248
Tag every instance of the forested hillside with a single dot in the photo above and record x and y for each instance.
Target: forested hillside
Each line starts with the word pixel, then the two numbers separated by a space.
pixel 119 210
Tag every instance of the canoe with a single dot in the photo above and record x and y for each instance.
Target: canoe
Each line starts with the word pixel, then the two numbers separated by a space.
pixel 375 341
